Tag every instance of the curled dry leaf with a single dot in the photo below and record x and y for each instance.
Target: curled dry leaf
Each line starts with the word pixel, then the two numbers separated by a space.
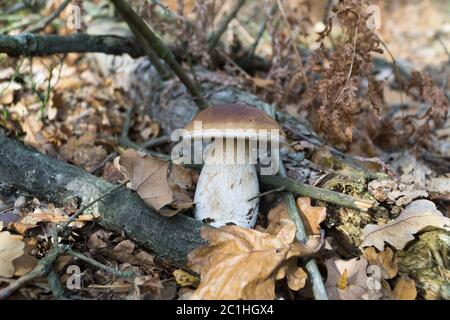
pixel 10 248
pixel 405 289
pixel 26 262
pixel 385 260
pixel 153 183
pixel 347 280
pixel 312 216
pixel 123 252
pixel 402 198
pixel 417 216
pixel 83 151
pixel 148 177
pixel 244 263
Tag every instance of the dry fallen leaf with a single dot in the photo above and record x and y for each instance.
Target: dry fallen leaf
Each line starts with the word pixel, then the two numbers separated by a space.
pixel 151 180
pixel 83 151
pixel 123 252
pixel 347 280
pixel 244 263
pixel 97 240
pixel 385 260
pixel 405 289
pixel 148 177
pixel 312 216
pixel 26 262
pixel 10 248
pixel 417 216
pixel 296 276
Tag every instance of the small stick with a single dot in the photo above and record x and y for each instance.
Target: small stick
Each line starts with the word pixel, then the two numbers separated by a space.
pixel 215 37
pixel 155 142
pixel 55 285
pixel 108 158
pixel 294 46
pixel 341 94
pixel 268 192
pixel 45 22
pixel 90 204
pixel 113 271
pixel 151 54
pixel 302 189
pixel 135 21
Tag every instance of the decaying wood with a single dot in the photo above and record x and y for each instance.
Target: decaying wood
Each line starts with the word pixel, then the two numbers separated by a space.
pixel 27 170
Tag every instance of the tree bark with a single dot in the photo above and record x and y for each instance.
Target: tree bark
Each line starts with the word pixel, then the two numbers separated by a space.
pixel 29 44
pixel 24 169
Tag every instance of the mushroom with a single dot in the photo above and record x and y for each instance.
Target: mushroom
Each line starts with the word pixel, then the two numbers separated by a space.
pixel 227 189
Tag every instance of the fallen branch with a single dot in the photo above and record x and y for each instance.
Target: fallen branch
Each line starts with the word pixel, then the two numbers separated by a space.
pixel 29 44
pixel 329 196
pixel 25 169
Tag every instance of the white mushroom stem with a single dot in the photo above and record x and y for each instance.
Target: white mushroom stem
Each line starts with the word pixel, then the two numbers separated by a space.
pixel 223 193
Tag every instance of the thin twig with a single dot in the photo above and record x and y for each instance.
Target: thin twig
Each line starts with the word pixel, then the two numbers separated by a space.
pixel 151 54
pixel 262 194
pixel 396 68
pixel 155 142
pixel 347 80
pixel 111 270
pixel 108 158
pixel 55 285
pixel 293 44
pixel 90 204
pixel 15 8
pixel 160 48
pixel 45 22
pixel 327 10
pixel 127 122
pixel 215 37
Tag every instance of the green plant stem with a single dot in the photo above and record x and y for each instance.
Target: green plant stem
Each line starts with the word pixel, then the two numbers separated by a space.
pixel 302 189
pixel 320 293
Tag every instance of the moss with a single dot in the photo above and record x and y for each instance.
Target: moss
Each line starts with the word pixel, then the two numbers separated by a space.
pixel 349 223
pixel 427 262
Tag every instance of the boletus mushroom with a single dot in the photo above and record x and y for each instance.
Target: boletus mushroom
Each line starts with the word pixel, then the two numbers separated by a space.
pixel 237 136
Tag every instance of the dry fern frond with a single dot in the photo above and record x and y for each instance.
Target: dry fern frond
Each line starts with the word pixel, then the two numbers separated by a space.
pixel 351 61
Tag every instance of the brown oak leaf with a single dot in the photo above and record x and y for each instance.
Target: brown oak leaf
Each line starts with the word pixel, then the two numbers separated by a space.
pixel 312 216
pixel 417 216
pixel 244 263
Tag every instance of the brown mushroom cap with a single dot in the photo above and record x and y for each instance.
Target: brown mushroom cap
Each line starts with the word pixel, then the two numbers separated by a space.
pixel 219 118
